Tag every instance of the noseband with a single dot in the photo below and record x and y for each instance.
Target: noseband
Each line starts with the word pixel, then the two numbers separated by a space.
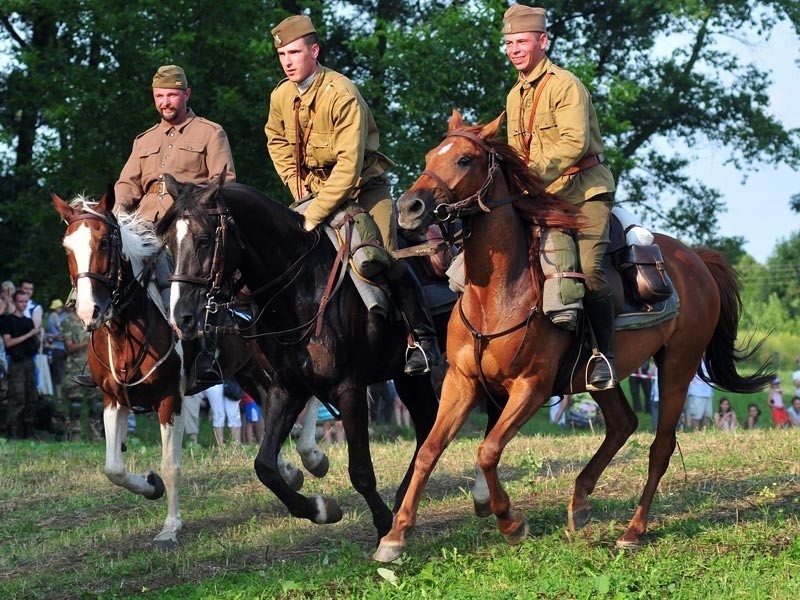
pixel 113 278
pixel 453 208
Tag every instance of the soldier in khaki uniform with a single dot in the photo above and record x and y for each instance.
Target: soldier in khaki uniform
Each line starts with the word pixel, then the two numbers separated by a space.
pixel 553 125
pixel 323 141
pixel 190 148
pixel 76 341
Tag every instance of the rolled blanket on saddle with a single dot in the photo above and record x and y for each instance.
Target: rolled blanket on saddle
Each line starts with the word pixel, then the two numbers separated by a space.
pixel 563 285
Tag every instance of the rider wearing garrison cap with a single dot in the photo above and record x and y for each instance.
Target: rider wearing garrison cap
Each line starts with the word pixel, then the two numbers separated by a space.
pixel 323 141
pixel 553 125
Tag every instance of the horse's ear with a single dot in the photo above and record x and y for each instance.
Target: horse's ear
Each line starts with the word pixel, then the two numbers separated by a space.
pixel 106 203
pixel 456 122
pixel 490 129
pixel 64 209
pixel 172 186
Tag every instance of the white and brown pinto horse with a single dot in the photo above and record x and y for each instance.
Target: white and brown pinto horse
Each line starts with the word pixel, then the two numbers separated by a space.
pixel 133 356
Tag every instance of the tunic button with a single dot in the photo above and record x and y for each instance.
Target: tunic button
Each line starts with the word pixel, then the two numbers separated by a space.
pixel 162 165
pixel 169 146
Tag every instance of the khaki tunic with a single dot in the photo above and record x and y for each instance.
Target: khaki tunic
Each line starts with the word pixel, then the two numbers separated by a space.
pixel 195 151
pixel 565 130
pixel 341 153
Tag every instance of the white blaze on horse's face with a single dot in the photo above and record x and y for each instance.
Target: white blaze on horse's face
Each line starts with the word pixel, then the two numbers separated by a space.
pixel 445 149
pixel 181 237
pixel 79 244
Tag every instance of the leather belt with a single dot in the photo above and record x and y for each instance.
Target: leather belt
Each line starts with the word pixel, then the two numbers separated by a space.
pixel 321 174
pixel 585 163
pixel 158 187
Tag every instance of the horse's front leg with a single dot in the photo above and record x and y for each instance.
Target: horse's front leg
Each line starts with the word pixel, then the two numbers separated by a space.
pixel 149 485
pixel 171 470
pixel 459 397
pixel 281 411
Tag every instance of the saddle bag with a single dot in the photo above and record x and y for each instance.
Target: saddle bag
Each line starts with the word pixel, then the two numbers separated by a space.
pixel 645 274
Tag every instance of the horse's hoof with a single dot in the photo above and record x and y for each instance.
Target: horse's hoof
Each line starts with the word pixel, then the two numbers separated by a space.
pixel 158 486
pixel 629 545
pixel 320 469
pixel 327 511
pixel 519 534
pixel 579 519
pixel 483 508
pixel 296 480
pixel 389 551
pixel 166 544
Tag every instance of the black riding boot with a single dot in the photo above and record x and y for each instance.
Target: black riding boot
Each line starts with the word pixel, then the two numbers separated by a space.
pixel 206 367
pixel 602 373
pixel 425 353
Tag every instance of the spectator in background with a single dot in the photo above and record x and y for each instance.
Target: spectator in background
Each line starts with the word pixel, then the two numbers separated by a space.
pixel 753 413
pixel 698 409
pixel 190 409
pixel 654 396
pixel 725 418
pixel 794 412
pixel 641 383
pixel 253 421
pixel 224 400
pixel 54 345
pixel 796 377
pixel 331 427
pixel 7 289
pixel 775 401
pixel 21 339
pixel 3 368
pixel 33 310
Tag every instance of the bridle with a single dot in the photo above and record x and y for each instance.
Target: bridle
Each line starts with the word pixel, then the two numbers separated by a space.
pixel 112 279
pixel 452 208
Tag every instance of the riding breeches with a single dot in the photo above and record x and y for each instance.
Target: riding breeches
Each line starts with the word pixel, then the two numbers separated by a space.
pixel 592 242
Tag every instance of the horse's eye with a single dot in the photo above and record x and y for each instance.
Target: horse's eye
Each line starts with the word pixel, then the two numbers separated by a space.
pixel 104 243
pixel 464 161
pixel 203 241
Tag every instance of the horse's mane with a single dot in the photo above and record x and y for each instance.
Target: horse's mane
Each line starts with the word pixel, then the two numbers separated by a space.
pixel 538 206
pixel 139 241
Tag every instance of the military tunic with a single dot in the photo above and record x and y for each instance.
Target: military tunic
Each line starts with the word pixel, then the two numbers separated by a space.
pixel 566 132
pixel 195 151
pixel 72 331
pixel 340 153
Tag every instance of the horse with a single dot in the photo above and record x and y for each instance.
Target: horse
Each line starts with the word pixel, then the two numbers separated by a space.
pixel 500 345
pixel 320 339
pixel 133 356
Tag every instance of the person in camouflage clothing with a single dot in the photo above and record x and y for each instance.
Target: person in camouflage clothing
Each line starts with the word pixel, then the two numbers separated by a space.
pixel 76 340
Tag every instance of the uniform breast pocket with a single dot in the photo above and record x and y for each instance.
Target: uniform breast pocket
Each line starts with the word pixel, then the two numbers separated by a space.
pixel 319 151
pixel 149 159
pixel 190 159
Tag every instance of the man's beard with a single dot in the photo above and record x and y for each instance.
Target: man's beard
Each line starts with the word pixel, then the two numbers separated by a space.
pixel 169 117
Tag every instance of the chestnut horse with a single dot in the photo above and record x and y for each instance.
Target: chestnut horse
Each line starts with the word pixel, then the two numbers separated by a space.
pixel 500 344
pixel 320 340
pixel 133 356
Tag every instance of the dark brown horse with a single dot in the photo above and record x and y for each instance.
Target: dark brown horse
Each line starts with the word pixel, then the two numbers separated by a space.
pixel 133 356
pixel 498 337
pixel 320 340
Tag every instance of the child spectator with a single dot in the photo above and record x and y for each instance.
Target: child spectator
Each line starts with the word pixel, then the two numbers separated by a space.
pixel 725 418
pixel 775 401
pixel 253 423
pixel 753 413
pixel 794 412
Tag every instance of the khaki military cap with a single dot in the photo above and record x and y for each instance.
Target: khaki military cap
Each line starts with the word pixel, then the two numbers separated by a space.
pixel 521 19
pixel 292 28
pixel 170 77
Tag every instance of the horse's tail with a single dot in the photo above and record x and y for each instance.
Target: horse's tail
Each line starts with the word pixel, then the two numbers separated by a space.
pixel 722 355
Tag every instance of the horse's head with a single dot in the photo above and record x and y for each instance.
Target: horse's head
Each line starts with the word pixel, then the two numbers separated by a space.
pixel 93 246
pixel 195 229
pixel 457 169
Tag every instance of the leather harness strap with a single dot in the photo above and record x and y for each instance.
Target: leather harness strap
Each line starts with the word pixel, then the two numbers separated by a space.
pixel 527 135
pixel 585 163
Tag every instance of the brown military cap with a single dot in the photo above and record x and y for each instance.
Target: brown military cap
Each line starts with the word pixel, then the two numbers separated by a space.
pixel 170 77
pixel 521 19
pixel 292 28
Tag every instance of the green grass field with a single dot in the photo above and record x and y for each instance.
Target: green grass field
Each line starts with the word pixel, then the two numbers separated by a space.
pixel 724 524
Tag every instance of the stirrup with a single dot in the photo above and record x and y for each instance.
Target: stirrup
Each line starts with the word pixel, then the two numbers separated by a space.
pixel 606 384
pixel 413 365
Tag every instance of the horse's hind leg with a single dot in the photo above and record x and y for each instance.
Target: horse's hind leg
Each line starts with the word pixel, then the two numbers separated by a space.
pixel 314 459
pixel 621 422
